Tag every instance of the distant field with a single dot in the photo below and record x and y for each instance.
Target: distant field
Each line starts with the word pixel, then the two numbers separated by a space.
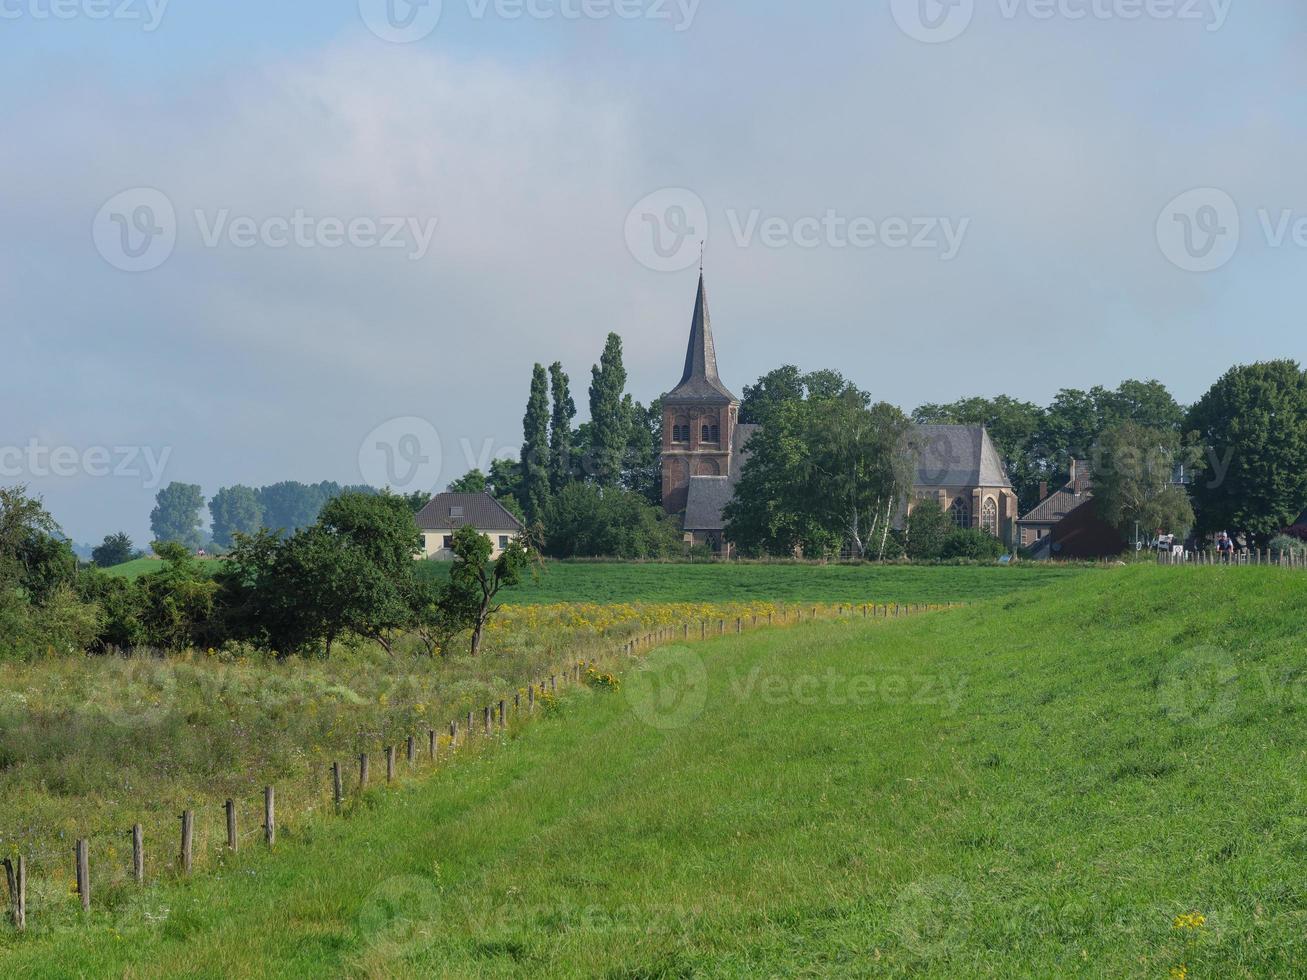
pixel 1099 780
pixel 627 582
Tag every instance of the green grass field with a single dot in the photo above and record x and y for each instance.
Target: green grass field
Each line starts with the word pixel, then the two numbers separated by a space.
pixel 605 582
pixel 1042 785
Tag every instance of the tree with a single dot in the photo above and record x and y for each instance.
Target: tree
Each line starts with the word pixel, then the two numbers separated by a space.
pixel 35 559
pixel 643 470
pixel 535 447
pixel 473 481
pixel 176 604
pixel 475 581
pixel 290 505
pixel 562 464
pixel 927 531
pixel 829 472
pixel 1253 425
pixel 775 388
pixel 116 549
pixel 1134 489
pixel 235 510
pixel 585 521
pixel 609 416
pixel 176 515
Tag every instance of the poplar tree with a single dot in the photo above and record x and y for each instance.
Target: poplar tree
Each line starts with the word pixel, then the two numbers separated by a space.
pixel 535 447
pixel 560 429
pixel 609 418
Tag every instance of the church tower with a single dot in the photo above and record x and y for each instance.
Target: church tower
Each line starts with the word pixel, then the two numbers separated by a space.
pixel 699 415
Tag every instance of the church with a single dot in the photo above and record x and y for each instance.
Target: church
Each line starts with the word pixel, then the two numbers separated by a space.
pixel 705 446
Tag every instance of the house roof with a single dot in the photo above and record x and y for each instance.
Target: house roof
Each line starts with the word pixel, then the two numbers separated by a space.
pixel 700 383
pixel 957 456
pixel 1055 507
pixel 448 511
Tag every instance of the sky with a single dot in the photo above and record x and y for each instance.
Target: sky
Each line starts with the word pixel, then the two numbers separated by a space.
pixel 246 242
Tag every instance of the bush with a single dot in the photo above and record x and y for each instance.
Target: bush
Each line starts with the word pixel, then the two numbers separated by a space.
pixel 928 531
pixel 973 544
pixel 584 521
pixel 1287 544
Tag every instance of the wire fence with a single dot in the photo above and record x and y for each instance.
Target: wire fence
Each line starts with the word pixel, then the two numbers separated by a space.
pixel 97 867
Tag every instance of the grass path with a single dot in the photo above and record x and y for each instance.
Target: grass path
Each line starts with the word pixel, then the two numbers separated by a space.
pixel 1035 787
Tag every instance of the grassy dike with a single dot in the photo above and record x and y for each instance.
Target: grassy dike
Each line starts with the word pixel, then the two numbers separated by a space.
pixel 1106 779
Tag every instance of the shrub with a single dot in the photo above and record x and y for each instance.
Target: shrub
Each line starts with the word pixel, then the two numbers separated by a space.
pixel 1287 544
pixel 974 544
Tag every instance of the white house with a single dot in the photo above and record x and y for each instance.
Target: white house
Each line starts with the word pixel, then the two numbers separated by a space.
pixel 447 512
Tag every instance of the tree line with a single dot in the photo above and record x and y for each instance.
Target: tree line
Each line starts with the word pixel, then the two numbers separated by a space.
pixel 349 575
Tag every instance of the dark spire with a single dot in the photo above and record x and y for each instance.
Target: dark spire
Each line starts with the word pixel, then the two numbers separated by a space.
pixel 700 380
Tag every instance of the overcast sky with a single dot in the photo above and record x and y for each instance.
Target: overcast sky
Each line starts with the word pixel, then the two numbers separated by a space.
pixel 245 242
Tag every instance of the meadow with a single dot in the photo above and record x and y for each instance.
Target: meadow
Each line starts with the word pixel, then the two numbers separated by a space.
pixel 1103 778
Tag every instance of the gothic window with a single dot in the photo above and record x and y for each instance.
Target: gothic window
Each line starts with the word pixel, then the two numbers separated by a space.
pixel 712 433
pixel 681 431
pixel 961 513
pixel 989 517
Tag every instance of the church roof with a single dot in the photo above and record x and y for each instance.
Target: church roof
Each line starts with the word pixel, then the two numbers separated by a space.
pixel 708 495
pixel 958 456
pixel 700 383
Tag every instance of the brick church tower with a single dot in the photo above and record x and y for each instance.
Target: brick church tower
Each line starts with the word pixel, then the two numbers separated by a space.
pixel 699 415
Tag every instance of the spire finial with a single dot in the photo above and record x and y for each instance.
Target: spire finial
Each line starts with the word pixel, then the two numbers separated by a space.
pixel 701 247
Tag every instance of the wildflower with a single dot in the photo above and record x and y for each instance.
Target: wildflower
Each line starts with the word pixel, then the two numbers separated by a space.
pixel 1180 972
pixel 1193 921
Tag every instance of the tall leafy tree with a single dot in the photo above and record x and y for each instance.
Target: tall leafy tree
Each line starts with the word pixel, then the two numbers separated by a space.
pixel 773 389
pixel 475 581
pixel 830 472
pixel 643 473
pixel 1253 425
pixel 116 549
pixel 473 481
pixel 176 515
pixel 235 510
pixel 1134 487
pixel 561 461
pixel 609 416
pixel 535 447
pixel 290 505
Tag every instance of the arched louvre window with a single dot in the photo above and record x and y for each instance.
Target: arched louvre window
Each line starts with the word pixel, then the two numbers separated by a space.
pixel 712 433
pixel 961 513
pixel 989 517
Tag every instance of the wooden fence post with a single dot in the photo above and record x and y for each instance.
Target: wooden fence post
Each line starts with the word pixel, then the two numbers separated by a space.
pixel 188 840
pixel 337 790
pixel 470 725
pixel 233 840
pixel 390 763
pixel 17 875
pixel 412 752
pixel 84 874
pixel 517 702
pixel 553 684
pixel 270 815
pixel 431 744
pixel 503 723
pixel 138 854
pixel 453 734
pixel 531 698
pixel 363 771
pixel 739 627
pixel 485 718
